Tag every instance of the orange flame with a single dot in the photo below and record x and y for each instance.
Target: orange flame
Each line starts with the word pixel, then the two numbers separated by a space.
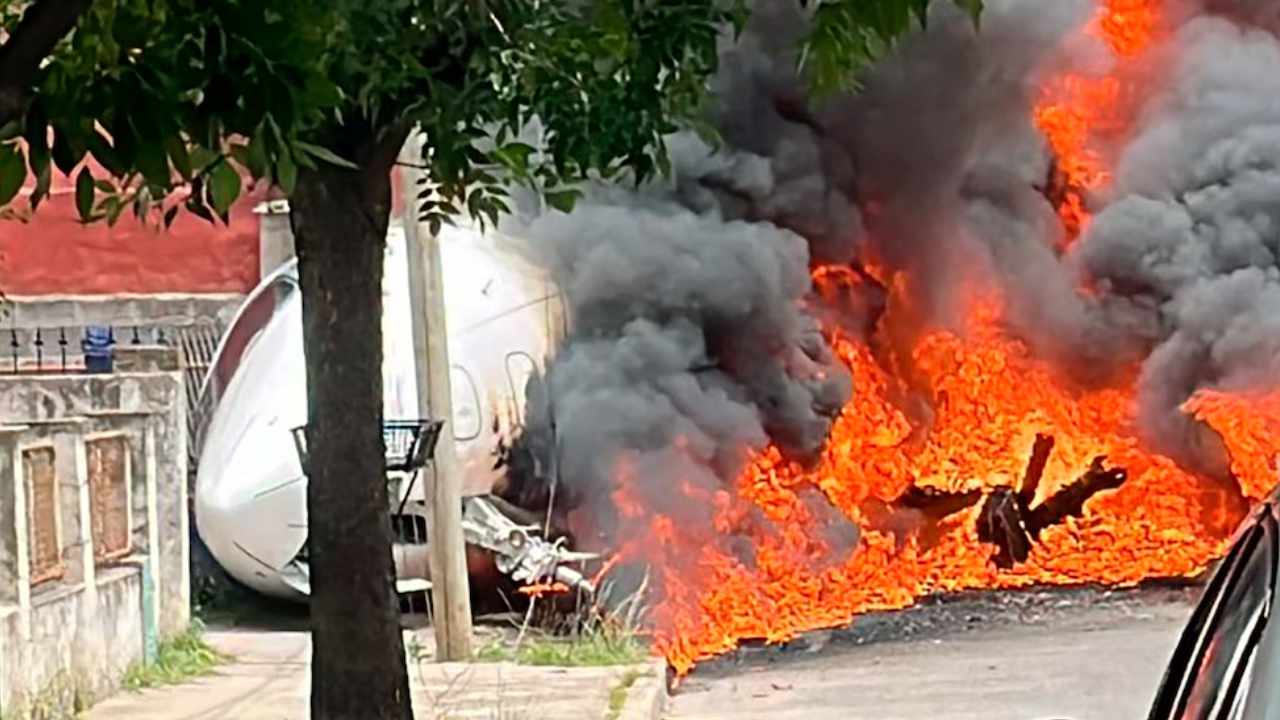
pixel 990 398
pixel 1077 114
pixel 1129 26
pixel 1249 423
pixel 764 566
pixel 546 588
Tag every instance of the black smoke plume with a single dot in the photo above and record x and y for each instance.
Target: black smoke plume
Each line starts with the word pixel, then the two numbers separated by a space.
pixel 695 339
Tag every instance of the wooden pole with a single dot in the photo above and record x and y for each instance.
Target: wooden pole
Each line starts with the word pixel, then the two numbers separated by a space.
pixel 443 479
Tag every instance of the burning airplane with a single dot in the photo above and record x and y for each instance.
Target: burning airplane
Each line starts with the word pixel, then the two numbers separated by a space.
pixel 250 498
pixel 1007 316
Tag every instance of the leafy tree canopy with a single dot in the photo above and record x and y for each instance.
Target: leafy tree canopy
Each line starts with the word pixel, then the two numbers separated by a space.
pixel 177 99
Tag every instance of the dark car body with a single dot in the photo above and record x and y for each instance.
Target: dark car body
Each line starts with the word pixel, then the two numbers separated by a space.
pixel 1227 662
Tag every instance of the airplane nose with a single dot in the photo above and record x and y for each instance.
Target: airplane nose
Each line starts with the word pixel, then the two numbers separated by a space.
pixel 251 500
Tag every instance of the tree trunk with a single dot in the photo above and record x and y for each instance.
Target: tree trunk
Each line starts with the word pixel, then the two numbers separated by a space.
pixel 43 25
pixel 358 667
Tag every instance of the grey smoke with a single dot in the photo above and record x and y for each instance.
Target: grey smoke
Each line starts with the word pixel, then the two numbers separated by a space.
pixel 1193 228
pixel 690 347
pixel 689 301
pixel 945 147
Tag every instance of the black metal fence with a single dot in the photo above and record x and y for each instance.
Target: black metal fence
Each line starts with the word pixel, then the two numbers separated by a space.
pixel 61 349
pixel 197 343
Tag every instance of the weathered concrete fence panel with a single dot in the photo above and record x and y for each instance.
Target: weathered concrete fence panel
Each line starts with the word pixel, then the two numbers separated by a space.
pixel 94 553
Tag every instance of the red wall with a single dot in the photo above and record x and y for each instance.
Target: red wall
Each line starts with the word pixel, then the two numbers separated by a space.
pixel 53 253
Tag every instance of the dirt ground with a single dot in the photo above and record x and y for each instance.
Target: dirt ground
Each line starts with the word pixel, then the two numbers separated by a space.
pixel 1074 654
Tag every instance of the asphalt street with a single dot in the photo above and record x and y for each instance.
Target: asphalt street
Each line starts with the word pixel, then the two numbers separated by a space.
pixel 1080 659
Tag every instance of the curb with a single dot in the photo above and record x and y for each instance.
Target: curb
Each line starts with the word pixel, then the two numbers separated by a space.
pixel 647 697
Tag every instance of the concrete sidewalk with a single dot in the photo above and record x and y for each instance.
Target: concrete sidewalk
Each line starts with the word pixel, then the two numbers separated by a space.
pixel 270 680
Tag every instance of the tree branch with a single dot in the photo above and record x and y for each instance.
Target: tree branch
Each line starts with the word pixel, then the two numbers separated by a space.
pixel 43 26
pixel 386 148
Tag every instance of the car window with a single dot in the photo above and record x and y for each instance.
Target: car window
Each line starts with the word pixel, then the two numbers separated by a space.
pixel 1219 673
pixel 1180 671
pixel 1240 697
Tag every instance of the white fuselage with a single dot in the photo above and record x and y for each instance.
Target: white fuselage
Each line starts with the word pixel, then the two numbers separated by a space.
pixel 504 317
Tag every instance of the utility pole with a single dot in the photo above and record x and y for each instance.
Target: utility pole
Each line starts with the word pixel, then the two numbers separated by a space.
pixel 450 593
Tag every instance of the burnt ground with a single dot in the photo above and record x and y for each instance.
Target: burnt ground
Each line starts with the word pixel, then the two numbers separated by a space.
pixel 1079 653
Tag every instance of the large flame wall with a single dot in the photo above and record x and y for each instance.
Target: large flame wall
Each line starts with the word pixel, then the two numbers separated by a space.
pixel 955 410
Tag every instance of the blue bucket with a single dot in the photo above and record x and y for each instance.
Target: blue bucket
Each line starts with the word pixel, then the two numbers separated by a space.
pixel 97 345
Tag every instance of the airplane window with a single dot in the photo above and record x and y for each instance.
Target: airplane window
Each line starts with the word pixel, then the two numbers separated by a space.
pixel 520 367
pixel 467 418
pixel 1232 636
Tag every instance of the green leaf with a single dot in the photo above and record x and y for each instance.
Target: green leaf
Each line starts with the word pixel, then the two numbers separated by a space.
pixel 197 208
pixel 326 155
pixel 202 158
pixel 13 172
pixel 169 215
pixel 257 161
pixel 974 8
pixel 240 152
pixel 84 194
pixel 154 164
pixel 515 156
pixel 224 187
pixel 286 172
pixel 105 154
pixel 304 161
pixel 44 176
pixel 10 130
pixel 112 206
pixel 65 157
pixel 177 149
pixel 563 200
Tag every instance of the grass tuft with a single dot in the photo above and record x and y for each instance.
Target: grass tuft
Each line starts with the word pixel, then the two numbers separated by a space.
pixel 495 651
pixel 618 695
pixel 178 659
pixel 594 646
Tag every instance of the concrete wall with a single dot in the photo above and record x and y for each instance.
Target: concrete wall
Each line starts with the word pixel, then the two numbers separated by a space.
pixel 67 641
pixel 77 311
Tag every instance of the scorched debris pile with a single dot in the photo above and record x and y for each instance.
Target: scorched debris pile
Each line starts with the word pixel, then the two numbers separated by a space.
pixel 1008 316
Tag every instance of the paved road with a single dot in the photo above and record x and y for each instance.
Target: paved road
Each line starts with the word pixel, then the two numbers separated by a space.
pixel 1087 663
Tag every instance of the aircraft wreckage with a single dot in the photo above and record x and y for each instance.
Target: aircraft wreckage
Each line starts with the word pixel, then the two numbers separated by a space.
pixel 504 317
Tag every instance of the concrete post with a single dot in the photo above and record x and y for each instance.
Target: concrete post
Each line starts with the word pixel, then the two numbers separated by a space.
pixel 275 236
pixel 443 479
pixel 151 568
